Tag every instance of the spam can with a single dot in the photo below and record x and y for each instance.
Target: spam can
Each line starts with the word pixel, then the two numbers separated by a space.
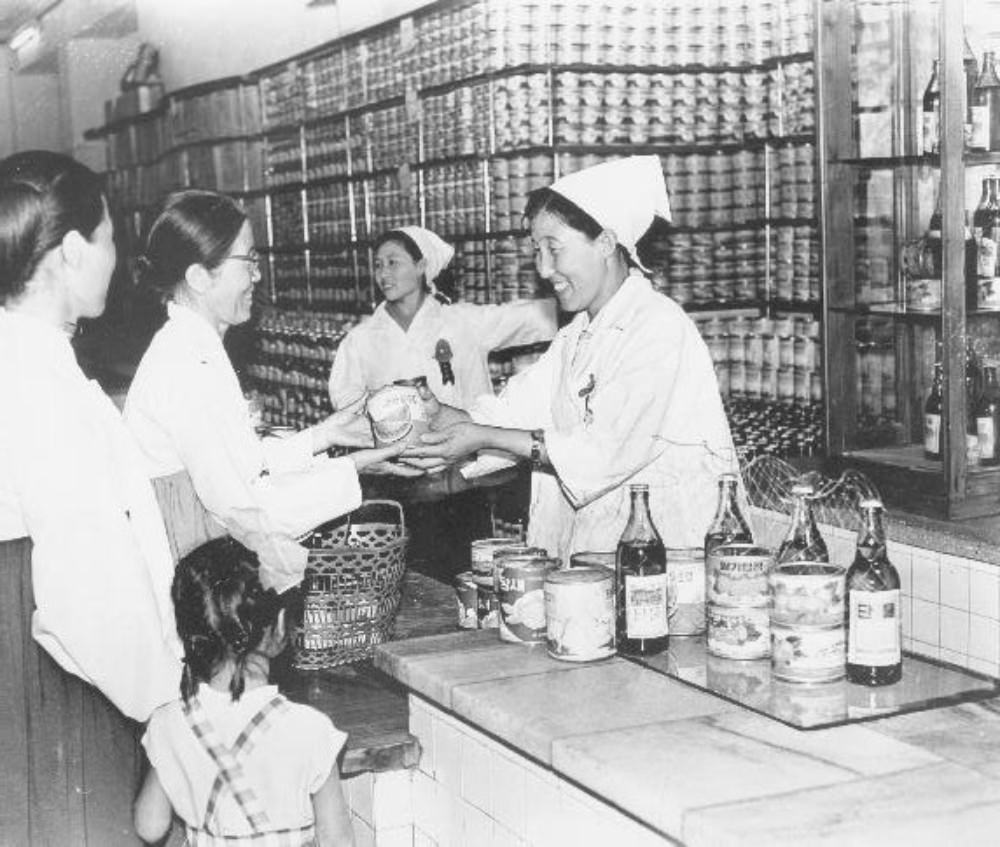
pixel 520 586
pixel 739 632
pixel 737 575
pixel 482 550
pixel 466 598
pixel 580 614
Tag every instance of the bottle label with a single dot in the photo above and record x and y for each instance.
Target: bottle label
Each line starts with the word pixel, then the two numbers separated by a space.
pixel 986 257
pixel 932 433
pixel 687 581
pixel 930 131
pixel 646 606
pixel 980 139
pixel 873 636
pixel 986 430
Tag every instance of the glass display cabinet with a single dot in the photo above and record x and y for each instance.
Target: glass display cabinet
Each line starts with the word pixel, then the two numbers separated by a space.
pixel 911 310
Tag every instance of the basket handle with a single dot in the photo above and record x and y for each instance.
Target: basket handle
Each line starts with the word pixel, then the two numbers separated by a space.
pixel 393 504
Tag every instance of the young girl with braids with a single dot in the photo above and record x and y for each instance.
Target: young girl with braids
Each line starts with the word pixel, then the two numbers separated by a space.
pixel 235 760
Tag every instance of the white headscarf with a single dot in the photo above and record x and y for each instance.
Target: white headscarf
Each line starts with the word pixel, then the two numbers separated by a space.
pixel 623 196
pixel 436 252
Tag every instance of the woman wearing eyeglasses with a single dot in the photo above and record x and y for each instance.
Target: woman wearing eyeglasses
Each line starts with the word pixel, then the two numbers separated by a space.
pixel 187 411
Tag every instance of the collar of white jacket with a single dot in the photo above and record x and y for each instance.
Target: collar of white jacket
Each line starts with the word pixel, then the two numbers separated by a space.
pixel 436 251
pixel 623 196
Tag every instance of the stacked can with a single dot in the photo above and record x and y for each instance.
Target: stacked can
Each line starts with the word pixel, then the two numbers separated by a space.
pixel 736 591
pixel 475 589
pixel 808 643
pixel 520 588
pixel 686 590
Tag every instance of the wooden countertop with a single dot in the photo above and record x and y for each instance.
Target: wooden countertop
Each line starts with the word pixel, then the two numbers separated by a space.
pixel 704 771
pixel 361 700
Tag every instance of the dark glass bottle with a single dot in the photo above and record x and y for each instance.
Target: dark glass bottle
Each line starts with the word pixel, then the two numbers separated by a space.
pixel 641 582
pixel 728 526
pixel 987 418
pixel 932 418
pixel 803 543
pixel 986 107
pixel 971 68
pixel 931 113
pixel 874 636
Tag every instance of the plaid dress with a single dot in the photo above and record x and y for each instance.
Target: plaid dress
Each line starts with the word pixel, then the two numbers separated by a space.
pixel 231 779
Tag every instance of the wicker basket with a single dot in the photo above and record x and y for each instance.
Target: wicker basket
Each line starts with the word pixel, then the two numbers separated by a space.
pixel 352 586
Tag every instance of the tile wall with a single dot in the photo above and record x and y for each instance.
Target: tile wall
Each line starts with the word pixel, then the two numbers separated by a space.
pixel 472 790
pixel 381 806
pixel 951 605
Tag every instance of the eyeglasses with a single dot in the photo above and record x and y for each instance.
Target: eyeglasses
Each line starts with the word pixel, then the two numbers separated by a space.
pixel 252 258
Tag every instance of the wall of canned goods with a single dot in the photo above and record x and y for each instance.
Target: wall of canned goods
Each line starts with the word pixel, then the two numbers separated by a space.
pixel 450 116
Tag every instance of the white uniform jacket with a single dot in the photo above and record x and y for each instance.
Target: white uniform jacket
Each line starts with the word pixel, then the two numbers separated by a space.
pixel 72 479
pixel 630 397
pixel 378 351
pixel 187 412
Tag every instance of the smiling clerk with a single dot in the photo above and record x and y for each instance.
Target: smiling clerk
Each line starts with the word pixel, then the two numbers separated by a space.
pixel 416 332
pixel 626 393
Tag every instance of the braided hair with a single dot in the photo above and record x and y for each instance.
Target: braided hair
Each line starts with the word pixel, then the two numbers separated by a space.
pixel 223 612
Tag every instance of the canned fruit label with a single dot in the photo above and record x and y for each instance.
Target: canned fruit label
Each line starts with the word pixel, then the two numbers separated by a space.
pixel 808 654
pixel 874 632
pixel 738 576
pixel 646 606
pixel 519 584
pixel 738 633
pixel 396 412
pixel 685 594
pixel 808 594
pixel 580 615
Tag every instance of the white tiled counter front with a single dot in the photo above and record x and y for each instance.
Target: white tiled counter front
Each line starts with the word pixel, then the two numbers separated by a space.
pixel 521 749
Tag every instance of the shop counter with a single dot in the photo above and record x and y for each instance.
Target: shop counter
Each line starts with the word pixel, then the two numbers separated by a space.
pixel 611 752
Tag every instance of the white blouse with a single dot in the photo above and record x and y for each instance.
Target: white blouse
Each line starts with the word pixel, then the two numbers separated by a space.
pixel 72 479
pixel 187 412
pixel 379 351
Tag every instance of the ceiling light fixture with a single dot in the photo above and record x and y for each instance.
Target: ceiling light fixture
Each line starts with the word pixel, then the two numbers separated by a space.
pixel 26 36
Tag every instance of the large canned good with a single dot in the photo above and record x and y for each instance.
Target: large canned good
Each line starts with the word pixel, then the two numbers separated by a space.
pixel 737 575
pixel 807 594
pixel 686 590
pixel 397 414
pixel 482 551
pixel 736 632
pixel 808 653
pixel 580 614
pixel 520 584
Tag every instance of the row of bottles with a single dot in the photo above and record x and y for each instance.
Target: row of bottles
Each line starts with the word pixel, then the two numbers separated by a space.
pixel 982 112
pixel 983 417
pixel 873 620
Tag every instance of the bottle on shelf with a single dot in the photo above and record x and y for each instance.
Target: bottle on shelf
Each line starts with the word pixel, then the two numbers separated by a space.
pixel 986 107
pixel 932 418
pixel 931 113
pixel 971 68
pixel 641 582
pixel 728 526
pixel 987 416
pixel 803 543
pixel 986 232
pixel 971 278
pixel 874 637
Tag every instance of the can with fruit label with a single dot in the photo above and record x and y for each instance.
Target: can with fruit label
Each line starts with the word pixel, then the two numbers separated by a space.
pixel 580 614
pixel 397 414
pixel 520 583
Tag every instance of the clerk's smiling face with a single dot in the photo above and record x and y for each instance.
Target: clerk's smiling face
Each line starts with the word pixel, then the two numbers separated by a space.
pixel 231 294
pixel 572 262
pixel 397 273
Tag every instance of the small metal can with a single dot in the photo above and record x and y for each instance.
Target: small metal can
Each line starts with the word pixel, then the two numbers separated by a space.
pixel 487 604
pixel 738 632
pixel 482 550
pixel 520 584
pixel 737 574
pixel 807 594
pixel 466 597
pixel 396 413
pixel 686 590
pixel 808 653
pixel 580 614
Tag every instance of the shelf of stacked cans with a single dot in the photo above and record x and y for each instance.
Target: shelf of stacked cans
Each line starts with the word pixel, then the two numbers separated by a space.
pixel 512 178
pixel 286 220
pixel 330 213
pixel 762 427
pixel 333 281
pixel 281 96
pixel 512 269
pixel 454 198
pixel 392 200
pixel 521 109
pixel 282 159
pixel 456 122
pixel 877 383
pixel 383 49
pixel 289 280
pixel 448 44
pixel 471 281
pixel 328 150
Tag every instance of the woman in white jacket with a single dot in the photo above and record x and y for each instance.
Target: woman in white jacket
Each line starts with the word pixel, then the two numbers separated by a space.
pixel 626 393
pixel 187 411
pixel 416 332
pixel 71 477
